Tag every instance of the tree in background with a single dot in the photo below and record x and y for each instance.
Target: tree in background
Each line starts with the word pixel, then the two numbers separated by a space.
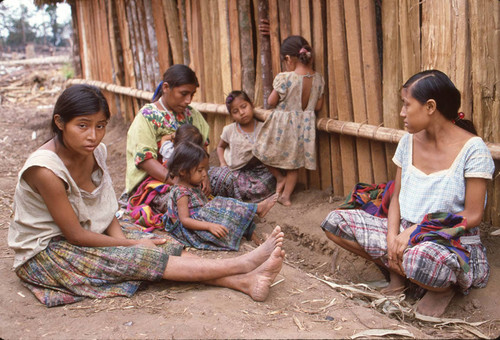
pixel 20 31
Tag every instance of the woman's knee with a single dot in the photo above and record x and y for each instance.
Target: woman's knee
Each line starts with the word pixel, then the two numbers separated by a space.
pixel 430 266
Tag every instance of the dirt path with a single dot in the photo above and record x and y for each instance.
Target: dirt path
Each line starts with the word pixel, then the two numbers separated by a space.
pixel 300 306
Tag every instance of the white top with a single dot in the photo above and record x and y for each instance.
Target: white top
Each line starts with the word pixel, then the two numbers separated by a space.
pixel 33 226
pixel 166 149
pixel 444 190
pixel 240 144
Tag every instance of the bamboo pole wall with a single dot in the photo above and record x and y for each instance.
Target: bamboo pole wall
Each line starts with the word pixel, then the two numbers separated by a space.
pixel 132 42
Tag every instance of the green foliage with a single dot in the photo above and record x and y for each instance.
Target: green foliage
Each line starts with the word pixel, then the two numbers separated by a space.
pixel 68 71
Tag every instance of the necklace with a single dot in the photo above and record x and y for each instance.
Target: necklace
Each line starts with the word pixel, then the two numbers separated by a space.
pixel 163 105
pixel 249 135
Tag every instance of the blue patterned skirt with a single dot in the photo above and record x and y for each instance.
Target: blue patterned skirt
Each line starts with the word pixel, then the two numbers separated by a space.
pixel 235 215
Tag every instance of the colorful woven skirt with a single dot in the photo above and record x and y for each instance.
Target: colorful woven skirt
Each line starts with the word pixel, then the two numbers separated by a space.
pixel 252 184
pixel 64 273
pixel 233 214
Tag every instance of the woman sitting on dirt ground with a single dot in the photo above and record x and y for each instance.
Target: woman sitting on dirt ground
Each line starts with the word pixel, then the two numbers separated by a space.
pixel 146 181
pixel 431 235
pixel 68 243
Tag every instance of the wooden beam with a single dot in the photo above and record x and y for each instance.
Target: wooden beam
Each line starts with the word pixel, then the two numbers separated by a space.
pixel 354 52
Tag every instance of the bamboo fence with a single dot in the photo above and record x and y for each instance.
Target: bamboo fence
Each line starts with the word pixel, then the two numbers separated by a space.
pixel 365 50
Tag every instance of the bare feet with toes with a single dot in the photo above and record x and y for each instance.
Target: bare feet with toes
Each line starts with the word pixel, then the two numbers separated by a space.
pixel 266 205
pixel 260 254
pixel 261 279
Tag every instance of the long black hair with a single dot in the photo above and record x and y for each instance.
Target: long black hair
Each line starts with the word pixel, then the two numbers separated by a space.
pixel 434 84
pixel 78 100
pixel 186 156
pixel 176 75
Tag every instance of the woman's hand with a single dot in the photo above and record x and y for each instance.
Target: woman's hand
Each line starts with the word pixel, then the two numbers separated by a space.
pixel 396 247
pixel 218 230
pixel 151 242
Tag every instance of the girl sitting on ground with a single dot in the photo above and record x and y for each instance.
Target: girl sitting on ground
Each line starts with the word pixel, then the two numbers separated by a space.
pixel 218 224
pixel 240 175
pixel 443 169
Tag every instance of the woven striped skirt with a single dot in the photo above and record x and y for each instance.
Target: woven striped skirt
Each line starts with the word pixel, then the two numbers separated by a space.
pixel 64 273
pixel 249 184
pixel 429 263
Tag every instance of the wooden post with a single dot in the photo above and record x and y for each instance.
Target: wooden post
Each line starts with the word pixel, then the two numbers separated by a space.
pixel 409 30
pixel 161 35
pixel 352 24
pixel 128 64
pixel 274 37
pixel 234 34
pixel 174 33
pixel 285 19
pixel 331 95
pixel 338 50
pixel 392 80
pixel 181 6
pixel 76 60
pixel 322 178
pixel 248 74
pixel 265 54
pixel 295 17
pixel 372 85
pixel 484 24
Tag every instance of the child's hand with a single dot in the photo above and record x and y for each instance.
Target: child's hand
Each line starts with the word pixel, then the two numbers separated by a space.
pixel 218 230
pixel 205 186
pixel 151 242
pixel 264 27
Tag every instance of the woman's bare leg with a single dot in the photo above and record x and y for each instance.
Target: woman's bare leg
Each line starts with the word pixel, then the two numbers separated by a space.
pixel 291 180
pixel 256 283
pixel 196 269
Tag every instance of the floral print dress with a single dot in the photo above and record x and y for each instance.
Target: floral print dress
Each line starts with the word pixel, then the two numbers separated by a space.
pixel 287 139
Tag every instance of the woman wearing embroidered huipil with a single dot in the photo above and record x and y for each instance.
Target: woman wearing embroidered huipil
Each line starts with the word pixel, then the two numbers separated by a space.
pixel 431 235
pixel 146 178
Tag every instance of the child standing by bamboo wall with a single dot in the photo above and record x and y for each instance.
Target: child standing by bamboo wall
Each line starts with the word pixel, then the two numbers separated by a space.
pixel 287 141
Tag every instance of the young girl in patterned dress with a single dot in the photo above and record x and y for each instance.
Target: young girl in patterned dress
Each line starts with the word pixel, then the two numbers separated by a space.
pixel 240 175
pixel 287 141
pixel 443 167
pixel 218 224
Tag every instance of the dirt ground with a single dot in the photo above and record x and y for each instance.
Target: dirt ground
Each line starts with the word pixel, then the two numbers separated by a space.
pixel 299 306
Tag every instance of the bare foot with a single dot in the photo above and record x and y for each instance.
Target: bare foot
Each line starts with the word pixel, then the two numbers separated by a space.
pixel 263 276
pixel 266 205
pixel 396 285
pixel 260 254
pixel 285 201
pixel 435 303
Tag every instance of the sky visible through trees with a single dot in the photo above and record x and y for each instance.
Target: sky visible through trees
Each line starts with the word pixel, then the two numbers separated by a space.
pixel 22 22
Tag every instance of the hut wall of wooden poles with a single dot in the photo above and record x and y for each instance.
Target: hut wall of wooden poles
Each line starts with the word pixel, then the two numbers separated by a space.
pixel 365 50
